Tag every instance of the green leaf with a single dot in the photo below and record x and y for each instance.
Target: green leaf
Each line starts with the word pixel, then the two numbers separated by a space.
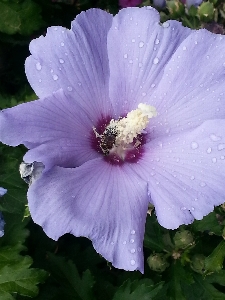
pixel 73 286
pixel 214 262
pixel 178 277
pixel 139 289
pixel 23 18
pixel 208 223
pixel 20 278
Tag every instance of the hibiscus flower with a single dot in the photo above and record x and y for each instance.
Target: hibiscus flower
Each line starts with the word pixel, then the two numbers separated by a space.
pixel 131 113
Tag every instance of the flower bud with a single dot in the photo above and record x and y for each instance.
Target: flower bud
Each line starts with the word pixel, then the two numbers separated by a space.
pixel 198 263
pixel 183 239
pixel 157 262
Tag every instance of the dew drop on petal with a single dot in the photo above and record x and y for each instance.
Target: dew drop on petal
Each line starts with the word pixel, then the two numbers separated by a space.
pixel 139 249
pixel 222 157
pixel 133 40
pixel 183 208
pixel 215 138
pixel 157 41
pixel 69 88
pixel 221 147
pixel 132 262
pixel 192 177
pixel 202 184
pixel 194 145
pixel 209 150
pixel 132 241
pixel 38 66
pixel 124 242
pixel 61 61
pixel 132 251
pixel 166 24
pixel 125 55
pixel 155 61
pixel 153 85
pixel 62 44
pixel 141 44
pixel 184 48
pixel 55 77
pixel 132 232
pixel 214 160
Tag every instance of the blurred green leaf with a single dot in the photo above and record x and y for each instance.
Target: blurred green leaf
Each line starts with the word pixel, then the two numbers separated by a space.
pixel 139 289
pixel 23 18
pixel 72 285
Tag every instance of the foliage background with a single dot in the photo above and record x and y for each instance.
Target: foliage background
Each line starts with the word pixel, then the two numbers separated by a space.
pixel 186 263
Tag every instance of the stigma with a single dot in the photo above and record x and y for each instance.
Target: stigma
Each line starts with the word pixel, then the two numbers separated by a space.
pixel 125 134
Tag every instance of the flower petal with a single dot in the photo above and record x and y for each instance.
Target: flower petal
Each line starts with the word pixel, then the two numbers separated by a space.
pixel 186 173
pixel 185 99
pixel 75 60
pixel 139 48
pixel 105 203
pixel 55 128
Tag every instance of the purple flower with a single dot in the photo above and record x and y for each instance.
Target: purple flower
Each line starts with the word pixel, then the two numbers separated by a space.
pixel 129 3
pixel 131 112
pixel 190 3
pixel 159 3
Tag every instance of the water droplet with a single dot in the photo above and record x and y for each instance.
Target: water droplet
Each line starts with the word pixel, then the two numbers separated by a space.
pixel 155 61
pixel 139 249
pixel 166 24
pixel 130 61
pixel 132 231
pixel 214 137
pixel 222 157
pixel 124 242
pixel 209 150
pixel 62 44
pixel 143 94
pixel 132 250
pixel 153 85
pixel 51 71
pixel 55 28
pixel 157 41
pixel 38 66
pixel 192 177
pixel 66 53
pixel 202 184
pixel 140 65
pixel 55 77
pixel 133 40
pixel 196 42
pixel 40 80
pixel 61 61
pixel 221 147
pixel 184 48
pixel 192 208
pixel 125 55
pixel 132 241
pixel 79 83
pixel 214 160
pixel 183 208
pixel 132 262
pixel 141 44
pixel 194 145
pixel 69 88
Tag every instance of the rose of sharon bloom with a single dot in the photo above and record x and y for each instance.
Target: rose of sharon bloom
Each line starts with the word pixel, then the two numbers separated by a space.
pixel 129 3
pixel 131 112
